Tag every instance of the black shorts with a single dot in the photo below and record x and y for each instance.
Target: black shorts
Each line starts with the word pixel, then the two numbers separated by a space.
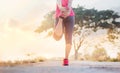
pixel 68 25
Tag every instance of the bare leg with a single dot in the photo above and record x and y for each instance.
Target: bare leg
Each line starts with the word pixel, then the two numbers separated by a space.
pixel 58 29
pixel 67 50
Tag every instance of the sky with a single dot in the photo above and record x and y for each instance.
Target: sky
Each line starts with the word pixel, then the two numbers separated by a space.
pixel 19 18
pixel 26 12
pixel 98 4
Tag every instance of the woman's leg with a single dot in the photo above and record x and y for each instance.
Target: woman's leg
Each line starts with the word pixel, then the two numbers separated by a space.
pixel 58 29
pixel 67 50
pixel 69 25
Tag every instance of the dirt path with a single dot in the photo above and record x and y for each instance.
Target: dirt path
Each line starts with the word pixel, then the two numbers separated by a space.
pixel 56 67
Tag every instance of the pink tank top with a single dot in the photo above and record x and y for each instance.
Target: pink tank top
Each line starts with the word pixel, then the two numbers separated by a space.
pixel 64 4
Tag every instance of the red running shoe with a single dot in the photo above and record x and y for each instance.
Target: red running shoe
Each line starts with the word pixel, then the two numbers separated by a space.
pixel 65 62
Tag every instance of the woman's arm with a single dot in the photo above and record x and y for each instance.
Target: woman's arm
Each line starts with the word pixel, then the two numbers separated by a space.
pixel 69 7
pixel 59 3
pixel 65 10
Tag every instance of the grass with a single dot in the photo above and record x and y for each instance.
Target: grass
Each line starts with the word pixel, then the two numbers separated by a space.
pixel 22 62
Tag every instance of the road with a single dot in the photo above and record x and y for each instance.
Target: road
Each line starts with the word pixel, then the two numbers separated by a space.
pixel 56 67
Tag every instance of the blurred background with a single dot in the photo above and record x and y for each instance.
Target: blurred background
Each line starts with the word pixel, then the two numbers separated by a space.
pixel 26 30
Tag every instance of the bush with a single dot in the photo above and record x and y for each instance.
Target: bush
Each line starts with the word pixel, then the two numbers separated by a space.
pixel 11 63
pixel 99 54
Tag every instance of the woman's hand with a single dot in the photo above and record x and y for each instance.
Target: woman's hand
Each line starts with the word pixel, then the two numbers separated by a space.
pixel 65 13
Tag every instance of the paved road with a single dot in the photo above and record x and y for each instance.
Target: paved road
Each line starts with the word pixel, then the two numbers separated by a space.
pixel 56 67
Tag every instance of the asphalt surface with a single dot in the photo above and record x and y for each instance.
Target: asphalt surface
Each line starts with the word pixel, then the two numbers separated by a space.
pixel 57 67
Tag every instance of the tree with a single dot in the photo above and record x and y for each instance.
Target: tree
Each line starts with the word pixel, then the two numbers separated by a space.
pixel 84 16
pixel 88 17
pixel 115 16
pixel 79 14
pixel 77 45
pixel 91 18
pixel 79 37
pixel 77 41
pixel 103 17
pixel 47 23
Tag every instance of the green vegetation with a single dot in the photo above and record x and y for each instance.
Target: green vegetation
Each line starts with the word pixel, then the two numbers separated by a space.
pixel 99 54
pixel 22 62
pixel 89 18
pixel 47 23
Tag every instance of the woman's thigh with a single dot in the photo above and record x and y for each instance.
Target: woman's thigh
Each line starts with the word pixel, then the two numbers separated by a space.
pixel 69 25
